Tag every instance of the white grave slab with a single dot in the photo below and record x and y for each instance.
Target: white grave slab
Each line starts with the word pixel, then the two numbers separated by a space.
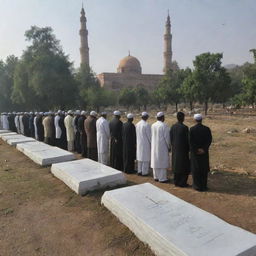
pixel 14 141
pixel 13 136
pixel 171 226
pixel 4 131
pixel 7 134
pixel 87 175
pixel 44 154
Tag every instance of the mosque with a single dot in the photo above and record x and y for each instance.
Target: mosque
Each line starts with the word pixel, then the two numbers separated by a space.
pixel 129 71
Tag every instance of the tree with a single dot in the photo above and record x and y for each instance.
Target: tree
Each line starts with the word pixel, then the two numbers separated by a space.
pixel 7 69
pixel 208 74
pixel 43 78
pixel 142 96
pixel 127 97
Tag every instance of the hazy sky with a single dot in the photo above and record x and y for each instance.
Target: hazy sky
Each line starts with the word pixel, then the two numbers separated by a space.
pixel 116 26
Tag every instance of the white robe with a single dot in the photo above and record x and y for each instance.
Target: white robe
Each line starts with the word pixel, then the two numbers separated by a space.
pixel 160 145
pixel 143 135
pixel 21 125
pixel 68 122
pixel 58 131
pixel 17 123
pixel 103 135
pixel 5 122
pixel 35 127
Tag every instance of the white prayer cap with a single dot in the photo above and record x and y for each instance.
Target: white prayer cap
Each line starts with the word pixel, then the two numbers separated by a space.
pixel 130 115
pixel 103 113
pixel 59 111
pixel 160 114
pixel 117 113
pixel 70 112
pixel 77 112
pixel 198 117
pixel 93 113
pixel 83 113
pixel 143 114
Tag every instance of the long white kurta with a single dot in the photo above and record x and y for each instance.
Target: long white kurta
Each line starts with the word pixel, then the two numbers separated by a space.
pixel 35 127
pixel 68 122
pixel 57 127
pixel 103 135
pixel 143 135
pixel 21 125
pixel 5 122
pixel 17 123
pixel 160 145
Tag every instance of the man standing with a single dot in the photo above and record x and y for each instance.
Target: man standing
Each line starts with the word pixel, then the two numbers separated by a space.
pixel 77 133
pixel 180 151
pixel 200 141
pixel 103 136
pixel 31 125
pixel 160 148
pixel 116 143
pixel 48 129
pixel 21 123
pixel 83 138
pixel 90 129
pixel 57 128
pixel 17 122
pixel 129 145
pixel 68 121
pixel 40 127
pixel 143 134
pixel 35 127
pixel 25 121
pixel 5 122
pixel 63 137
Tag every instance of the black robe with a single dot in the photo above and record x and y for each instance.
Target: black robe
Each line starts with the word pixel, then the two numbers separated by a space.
pixel 63 138
pixel 77 135
pixel 180 153
pixel 129 147
pixel 200 137
pixel 12 126
pixel 31 126
pixel 40 128
pixel 83 137
pixel 25 121
pixel 116 144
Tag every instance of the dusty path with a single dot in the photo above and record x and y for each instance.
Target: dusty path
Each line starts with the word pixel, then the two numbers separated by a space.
pixel 39 215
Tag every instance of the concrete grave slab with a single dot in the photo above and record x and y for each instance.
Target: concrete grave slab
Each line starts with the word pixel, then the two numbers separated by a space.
pixel 87 175
pixel 4 131
pixel 7 134
pixel 44 154
pixel 15 141
pixel 171 226
pixel 13 136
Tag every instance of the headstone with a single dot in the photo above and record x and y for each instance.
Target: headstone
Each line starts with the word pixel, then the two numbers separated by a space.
pixel 44 154
pixel 171 226
pixel 87 175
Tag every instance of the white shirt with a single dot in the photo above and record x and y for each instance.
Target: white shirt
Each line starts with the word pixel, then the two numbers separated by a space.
pixel 143 135
pixel 160 145
pixel 68 122
pixel 57 127
pixel 103 135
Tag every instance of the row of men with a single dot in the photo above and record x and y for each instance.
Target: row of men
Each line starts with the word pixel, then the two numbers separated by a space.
pixel 149 145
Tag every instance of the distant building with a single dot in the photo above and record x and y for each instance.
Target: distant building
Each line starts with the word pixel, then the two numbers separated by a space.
pixel 129 72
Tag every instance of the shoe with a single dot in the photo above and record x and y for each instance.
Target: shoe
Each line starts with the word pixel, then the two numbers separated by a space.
pixel 156 180
pixel 165 181
pixel 139 174
pixel 144 175
pixel 182 186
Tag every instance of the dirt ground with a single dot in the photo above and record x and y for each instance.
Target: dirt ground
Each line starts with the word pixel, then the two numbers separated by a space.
pixel 39 215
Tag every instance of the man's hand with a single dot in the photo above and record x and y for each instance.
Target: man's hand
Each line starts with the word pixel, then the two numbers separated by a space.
pixel 200 151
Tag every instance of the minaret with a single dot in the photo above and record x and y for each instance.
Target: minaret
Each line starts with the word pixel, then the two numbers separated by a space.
pixel 167 45
pixel 84 49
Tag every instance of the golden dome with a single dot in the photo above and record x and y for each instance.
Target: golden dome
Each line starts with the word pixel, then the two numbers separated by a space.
pixel 129 64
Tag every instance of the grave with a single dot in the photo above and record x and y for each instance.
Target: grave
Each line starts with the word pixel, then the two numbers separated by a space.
pixel 7 134
pixel 44 154
pixel 13 136
pixel 171 226
pixel 16 140
pixel 4 131
pixel 87 175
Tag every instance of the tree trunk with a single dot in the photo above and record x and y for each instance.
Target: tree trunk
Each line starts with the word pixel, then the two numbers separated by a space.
pixel 191 105
pixel 176 106
pixel 206 107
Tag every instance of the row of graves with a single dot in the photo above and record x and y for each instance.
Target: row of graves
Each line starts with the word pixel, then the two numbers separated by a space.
pixel 169 225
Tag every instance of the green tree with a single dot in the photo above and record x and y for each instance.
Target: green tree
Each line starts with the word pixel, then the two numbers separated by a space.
pixel 44 78
pixel 127 97
pixel 142 96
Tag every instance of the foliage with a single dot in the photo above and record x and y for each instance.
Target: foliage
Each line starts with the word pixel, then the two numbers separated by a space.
pixel 142 97
pixel 127 97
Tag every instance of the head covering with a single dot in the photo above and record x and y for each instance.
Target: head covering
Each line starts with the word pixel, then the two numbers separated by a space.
pixel 59 111
pixel 160 114
pixel 70 112
pixel 103 113
pixel 117 113
pixel 83 113
pixel 143 114
pixel 198 117
pixel 77 112
pixel 130 116
pixel 93 113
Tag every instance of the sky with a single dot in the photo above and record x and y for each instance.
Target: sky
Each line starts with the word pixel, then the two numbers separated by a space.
pixel 117 26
